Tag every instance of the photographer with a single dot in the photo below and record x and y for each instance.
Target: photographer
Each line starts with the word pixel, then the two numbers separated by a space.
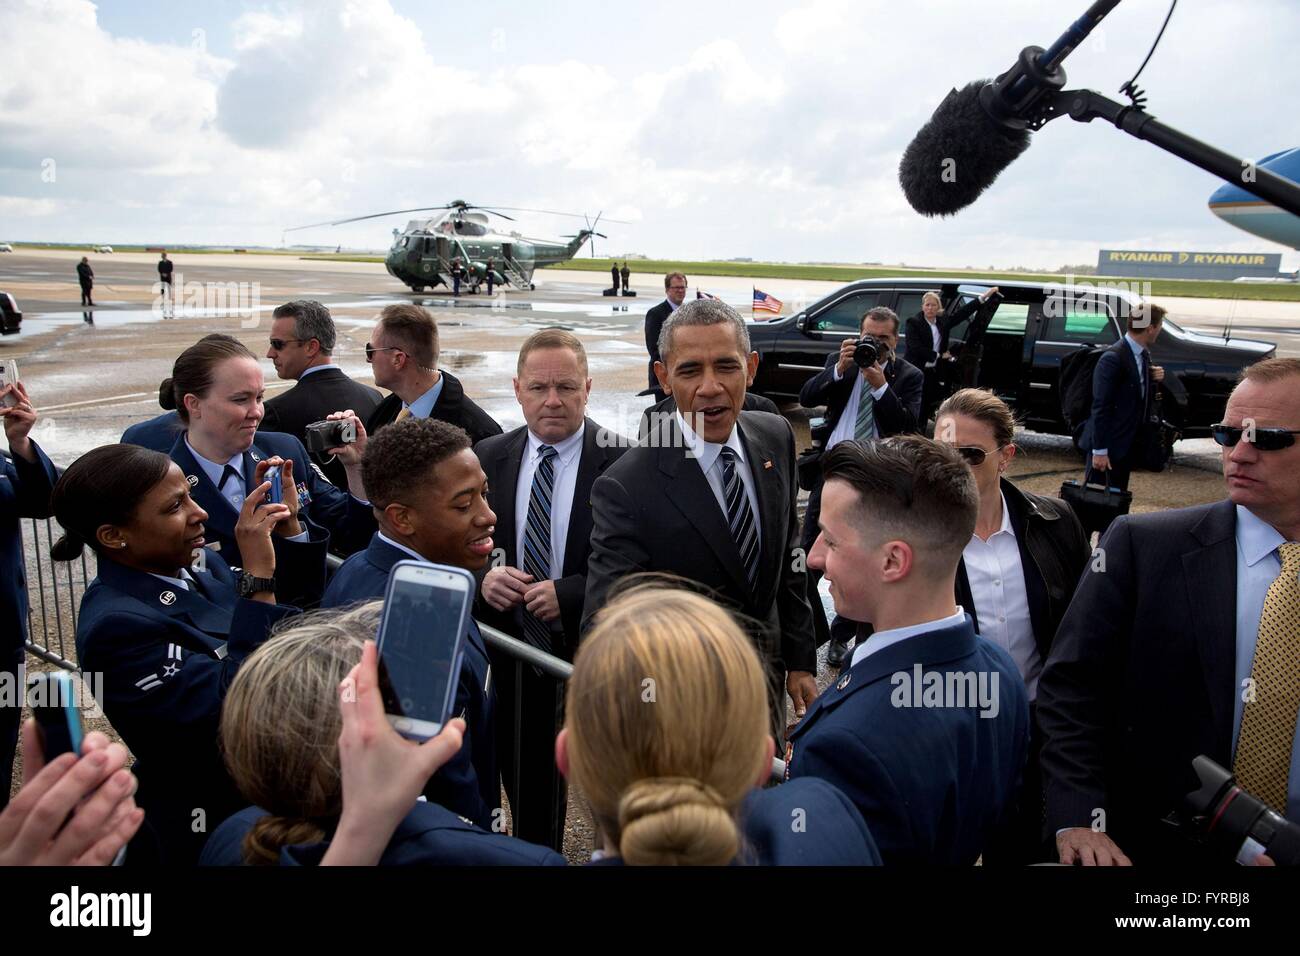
pixel 882 399
pixel 166 634
pixel 217 388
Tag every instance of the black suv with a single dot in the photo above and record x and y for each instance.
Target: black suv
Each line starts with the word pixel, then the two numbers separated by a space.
pixel 11 320
pixel 1033 328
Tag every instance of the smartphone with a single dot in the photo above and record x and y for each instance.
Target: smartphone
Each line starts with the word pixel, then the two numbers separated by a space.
pixel 8 375
pixel 426 613
pixel 53 699
pixel 276 494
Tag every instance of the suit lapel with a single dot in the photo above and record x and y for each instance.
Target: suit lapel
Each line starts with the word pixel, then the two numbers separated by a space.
pixel 689 492
pixel 591 463
pixel 509 464
pixel 966 597
pixel 189 606
pixel 221 513
pixel 1211 570
pixel 768 488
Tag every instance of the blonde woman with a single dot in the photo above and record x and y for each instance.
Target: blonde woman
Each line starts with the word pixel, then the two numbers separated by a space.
pixel 1023 562
pixel 926 343
pixel 666 735
pixel 310 692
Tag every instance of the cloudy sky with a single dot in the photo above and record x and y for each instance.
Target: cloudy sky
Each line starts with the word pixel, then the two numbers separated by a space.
pixel 773 134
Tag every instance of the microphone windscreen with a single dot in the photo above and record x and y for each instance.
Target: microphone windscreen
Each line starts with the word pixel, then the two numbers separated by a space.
pixel 957 154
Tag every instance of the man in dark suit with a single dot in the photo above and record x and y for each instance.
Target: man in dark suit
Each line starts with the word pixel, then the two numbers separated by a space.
pixel 1123 394
pixel 927 729
pixel 926 344
pixel 429 498
pixel 403 349
pixel 1182 640
pixel 674 295
pixel 539 486
pixel 86 278
pixel 881 400
pixel 302 349
pixel 715 503
pixel 27 478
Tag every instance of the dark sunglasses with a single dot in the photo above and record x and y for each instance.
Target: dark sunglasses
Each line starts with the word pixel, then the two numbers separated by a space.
pixel 1266 439
pixel 973 454
pixel 279 344
pixel 371 350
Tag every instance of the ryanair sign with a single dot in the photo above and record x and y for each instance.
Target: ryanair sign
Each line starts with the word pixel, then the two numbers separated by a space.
pixel 1187 265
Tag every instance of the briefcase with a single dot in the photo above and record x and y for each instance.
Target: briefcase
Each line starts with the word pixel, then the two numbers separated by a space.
pixel 1096 505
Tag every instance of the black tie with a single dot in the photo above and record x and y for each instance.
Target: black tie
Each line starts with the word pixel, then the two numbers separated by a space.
pixel 740 517
pixel 1146 379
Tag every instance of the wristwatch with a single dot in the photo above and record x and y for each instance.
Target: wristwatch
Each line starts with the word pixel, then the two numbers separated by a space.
pixel 247 585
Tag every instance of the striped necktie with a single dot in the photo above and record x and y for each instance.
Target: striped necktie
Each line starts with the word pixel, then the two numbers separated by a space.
pixel 865 427
pixel 403 415
pixel 537 541
pixel 740 517
pixel 1263 761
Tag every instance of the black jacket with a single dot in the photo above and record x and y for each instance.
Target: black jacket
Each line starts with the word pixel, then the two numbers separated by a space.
pixel 1141 678
pixel 1054 551
pixel 918 342
pixel 653 510
pixel 501 457
pixel 1118 406
pixel 85 274
pixel 654 322
pixel 452 407
pixel 898 411
pixel 317 395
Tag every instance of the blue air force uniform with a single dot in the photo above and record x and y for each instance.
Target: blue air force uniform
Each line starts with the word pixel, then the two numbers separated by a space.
pixel 25 489
pixel 330 517
pixel 157 434
pixel 430 835
pixel 805 822
pixel 470 783
pixel 935 782
pixel 167 649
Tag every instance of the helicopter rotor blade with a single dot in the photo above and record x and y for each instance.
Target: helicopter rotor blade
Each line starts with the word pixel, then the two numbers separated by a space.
pixel 553 212
pixel 374 215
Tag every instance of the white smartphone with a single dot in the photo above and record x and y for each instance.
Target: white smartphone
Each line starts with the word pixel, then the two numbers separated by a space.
pixel 426 614
pixel 8 375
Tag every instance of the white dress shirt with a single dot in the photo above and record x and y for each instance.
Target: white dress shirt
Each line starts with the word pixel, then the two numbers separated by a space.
pixel 882 639
pixel 568 456
pixel 708 454
pixel 846 428
pixel 1258 565
pixel 997 585
pixel 935 338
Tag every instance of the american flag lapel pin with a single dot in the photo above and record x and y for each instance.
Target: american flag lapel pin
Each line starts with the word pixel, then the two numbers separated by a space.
pixel 767 464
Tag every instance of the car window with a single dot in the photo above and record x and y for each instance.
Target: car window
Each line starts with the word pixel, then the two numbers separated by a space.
pixel 909 304
pixel 845 315
pixel 1010 317
pixel 1082 326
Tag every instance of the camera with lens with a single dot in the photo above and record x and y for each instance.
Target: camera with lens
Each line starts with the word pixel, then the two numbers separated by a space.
pixel 1233 823
pixel 322 436
pixel 869 351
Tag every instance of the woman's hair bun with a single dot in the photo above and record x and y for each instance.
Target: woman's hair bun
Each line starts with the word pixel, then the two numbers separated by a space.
pixel 167 395
pixel 68 547
pixel 675 821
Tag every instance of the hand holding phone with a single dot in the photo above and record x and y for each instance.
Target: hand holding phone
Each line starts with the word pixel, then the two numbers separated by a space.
pixel 426 613
pixel 8 376
pixel 52 697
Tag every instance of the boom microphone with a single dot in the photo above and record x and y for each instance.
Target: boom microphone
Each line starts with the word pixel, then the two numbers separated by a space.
pixel 978 131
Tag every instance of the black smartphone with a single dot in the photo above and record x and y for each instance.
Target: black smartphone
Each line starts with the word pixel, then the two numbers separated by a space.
pixel 53 698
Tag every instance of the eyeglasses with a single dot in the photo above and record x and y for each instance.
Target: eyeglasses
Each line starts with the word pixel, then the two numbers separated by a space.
pixel 1264 439
pixel 975 455
pixel 279 344
pixel 371 350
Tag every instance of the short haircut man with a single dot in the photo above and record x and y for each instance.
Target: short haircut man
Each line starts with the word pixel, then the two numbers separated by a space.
pixel 400 458
pixel 552 339
pixel 1144 316
pixel 896 516
pixel 413 330
pixel 311 320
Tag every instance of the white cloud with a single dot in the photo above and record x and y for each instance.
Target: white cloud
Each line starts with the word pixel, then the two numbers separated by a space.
pixel 786 149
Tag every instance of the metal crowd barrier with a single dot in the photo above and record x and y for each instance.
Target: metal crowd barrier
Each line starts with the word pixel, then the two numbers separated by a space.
pixel 54 596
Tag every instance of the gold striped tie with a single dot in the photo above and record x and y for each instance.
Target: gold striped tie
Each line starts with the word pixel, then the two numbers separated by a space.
pixel 404 414
pixel 1268 721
